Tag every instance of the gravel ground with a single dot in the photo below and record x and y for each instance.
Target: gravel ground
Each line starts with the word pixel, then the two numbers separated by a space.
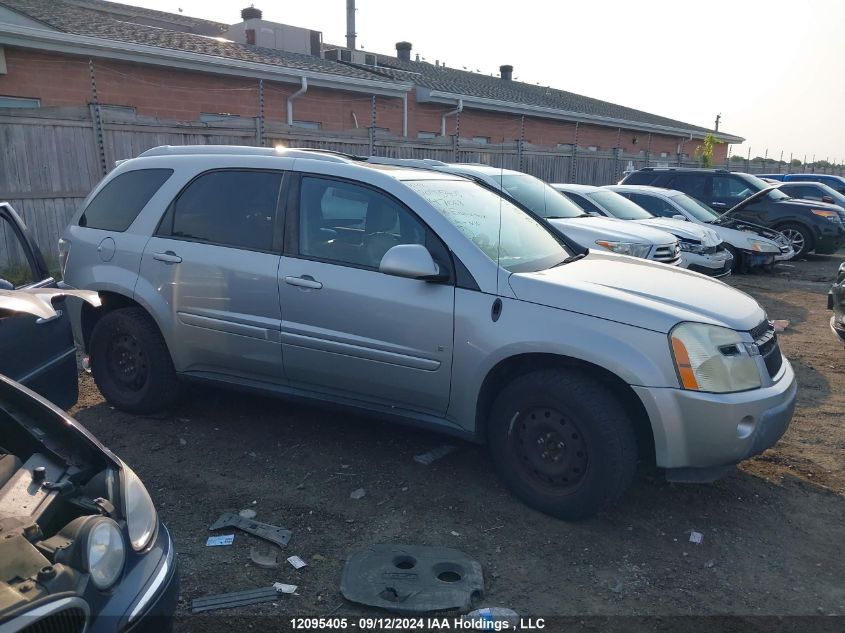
pixel 771 530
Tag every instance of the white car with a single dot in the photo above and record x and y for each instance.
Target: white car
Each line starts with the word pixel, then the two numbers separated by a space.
pixel 596 233
pixel 751 245
pixel 702 250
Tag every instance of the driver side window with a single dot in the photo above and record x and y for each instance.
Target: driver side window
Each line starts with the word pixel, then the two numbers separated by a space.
pixel 349 224
pixel 653 205
pixel 730 188
pixel 15 267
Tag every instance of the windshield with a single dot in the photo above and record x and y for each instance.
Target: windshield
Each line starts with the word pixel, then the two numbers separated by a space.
pixel 539 197
pixel 619 206
pixel 777 194
pixel 526 245
pixel 696 209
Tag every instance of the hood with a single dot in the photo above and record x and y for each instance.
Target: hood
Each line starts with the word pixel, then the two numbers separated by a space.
pixel 638 292
pixel 587 229
pixel 684 230
pixel 739 238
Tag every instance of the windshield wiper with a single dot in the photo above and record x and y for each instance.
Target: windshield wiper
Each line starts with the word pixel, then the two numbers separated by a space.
pixel 569 260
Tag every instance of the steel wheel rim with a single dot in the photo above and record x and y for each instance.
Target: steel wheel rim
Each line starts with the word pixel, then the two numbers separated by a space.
pixel 127 362
pixel 795 238
pixel 551 448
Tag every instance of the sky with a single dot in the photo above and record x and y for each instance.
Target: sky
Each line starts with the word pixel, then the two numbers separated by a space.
pixel 773 69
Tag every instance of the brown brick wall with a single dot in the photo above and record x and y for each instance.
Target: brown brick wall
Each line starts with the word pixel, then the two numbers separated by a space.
pixel 176 94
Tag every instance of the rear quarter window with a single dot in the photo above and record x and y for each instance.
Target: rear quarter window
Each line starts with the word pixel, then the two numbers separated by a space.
pixel 117 204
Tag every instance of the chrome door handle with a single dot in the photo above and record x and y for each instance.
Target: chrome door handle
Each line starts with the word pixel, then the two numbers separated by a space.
pixel 168 257
pixel 43 320
pixel 304 282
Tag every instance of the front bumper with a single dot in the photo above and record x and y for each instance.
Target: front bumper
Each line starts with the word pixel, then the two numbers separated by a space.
pixel 830 241
pixel 695 430
pixel 714 265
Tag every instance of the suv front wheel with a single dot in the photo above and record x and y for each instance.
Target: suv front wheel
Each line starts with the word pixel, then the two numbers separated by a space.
pixel 799 237
pixel 131 363
pixel 562 443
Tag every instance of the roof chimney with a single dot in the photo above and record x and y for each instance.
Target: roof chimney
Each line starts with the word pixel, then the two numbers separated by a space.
pixel 403 51
pixel 250 13
pixel 506 72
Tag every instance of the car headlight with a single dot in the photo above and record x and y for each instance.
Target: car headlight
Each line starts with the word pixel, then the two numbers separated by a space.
pixel 634 249
pixel 831 216
pixel 138 509
pixel 692 247
pixel 759 246
pixel 105 552
pixel 713 358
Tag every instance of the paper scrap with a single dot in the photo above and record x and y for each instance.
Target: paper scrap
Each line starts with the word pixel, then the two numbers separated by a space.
pixel 434 454
pixel 283 588
pixel 297 562
pixel 217 541
pixel 696 537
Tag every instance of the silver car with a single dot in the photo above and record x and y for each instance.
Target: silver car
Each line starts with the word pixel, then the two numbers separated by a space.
pixel 426 298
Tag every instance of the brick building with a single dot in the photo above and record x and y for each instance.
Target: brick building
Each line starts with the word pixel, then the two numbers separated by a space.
pixel 73 52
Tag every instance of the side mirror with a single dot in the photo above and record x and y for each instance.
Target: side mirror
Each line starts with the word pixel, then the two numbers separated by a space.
pixel 6 285
pixel 828 199
pixel 678 216
pixel 412 261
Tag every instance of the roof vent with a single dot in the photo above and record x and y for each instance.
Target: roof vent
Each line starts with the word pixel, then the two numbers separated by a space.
pixel 251 13
pixel 506 72
pixel 403 51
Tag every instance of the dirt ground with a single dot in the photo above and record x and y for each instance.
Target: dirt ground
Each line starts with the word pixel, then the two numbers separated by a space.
pixel 773 530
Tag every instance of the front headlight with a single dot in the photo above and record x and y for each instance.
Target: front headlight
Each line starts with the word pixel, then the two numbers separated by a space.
pixel 832 216
pixel 712 358
pixel 760 246
pixel 634 249
pixel 692 247
pixel 105 552
pixel 138 508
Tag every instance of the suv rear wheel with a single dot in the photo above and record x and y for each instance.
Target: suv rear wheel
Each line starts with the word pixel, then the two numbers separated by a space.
pixel 562 443
pixel 799 237
pixel 131 364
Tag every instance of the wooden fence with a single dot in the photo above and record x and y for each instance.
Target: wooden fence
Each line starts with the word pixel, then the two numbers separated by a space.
pixel 50 158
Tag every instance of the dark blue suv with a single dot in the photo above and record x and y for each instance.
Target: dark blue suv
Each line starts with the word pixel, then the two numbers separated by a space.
pixel 834 182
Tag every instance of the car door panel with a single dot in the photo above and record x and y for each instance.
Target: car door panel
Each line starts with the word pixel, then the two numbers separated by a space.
pixel 38 352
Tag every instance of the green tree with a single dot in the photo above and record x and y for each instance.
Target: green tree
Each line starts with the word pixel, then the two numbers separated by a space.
pixel 795 162
pixel 704 152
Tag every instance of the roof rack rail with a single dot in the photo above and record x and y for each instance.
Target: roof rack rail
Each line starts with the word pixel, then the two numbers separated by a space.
pixel 419 163
pixel 247 150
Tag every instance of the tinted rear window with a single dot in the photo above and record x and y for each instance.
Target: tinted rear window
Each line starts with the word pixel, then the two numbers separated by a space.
pixel 117 204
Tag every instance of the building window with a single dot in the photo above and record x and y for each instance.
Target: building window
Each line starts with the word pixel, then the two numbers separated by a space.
pixel 593 148
pixel 664 154
pixel 308 125
pixel 19 102
pixel 482 140
pixel 565 146
pixel 117 108
pixel 211 117
pixel 427 134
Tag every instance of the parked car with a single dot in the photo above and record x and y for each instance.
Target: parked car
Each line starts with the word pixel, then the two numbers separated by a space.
pixel 701 248
pixel 748 245
pixel 422 297
pixel 836 302
pixel 83 548
pixel 813 191
pixel 570 220
pixel 837 183
pixel 810 226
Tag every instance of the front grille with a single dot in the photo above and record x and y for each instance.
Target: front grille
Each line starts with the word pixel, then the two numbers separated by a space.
pixel 766 339
pixel 69 615
pixel 667 253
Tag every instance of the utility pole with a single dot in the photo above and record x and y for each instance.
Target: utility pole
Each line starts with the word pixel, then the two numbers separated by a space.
pixel 718 117
pixel 350 25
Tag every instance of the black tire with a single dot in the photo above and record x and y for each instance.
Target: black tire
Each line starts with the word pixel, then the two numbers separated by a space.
pixel 596 462
pixel 795 232
pixel 131 364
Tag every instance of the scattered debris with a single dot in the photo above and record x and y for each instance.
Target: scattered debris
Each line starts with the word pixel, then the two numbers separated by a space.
pixel 696 537
pixel 235 599
pixel 780 325
pixel 358 493
pixel 617 588
pixel 412 579
pixel 495 527
pixel 488 619
pixel 183 441
pixel 265 559
pixel 434 454
pixel 710 563
pixel 277 535
pixel 301 484
pixel 297 562
pixel 249 513
pixel 217 541
pixel 283 588
pixel 453 533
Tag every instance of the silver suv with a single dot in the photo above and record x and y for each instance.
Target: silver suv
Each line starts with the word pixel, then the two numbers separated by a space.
pixel 426 298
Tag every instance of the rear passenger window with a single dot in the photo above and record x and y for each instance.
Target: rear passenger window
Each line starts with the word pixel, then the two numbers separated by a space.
pixel 654 205
pixel 16 266
pixel 117 204
pixel 229 208
pixel 690 184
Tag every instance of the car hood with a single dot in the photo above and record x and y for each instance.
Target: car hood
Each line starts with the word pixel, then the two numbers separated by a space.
pixel 739 238
pixel 684 230
pixel 586 230
pixel 638 292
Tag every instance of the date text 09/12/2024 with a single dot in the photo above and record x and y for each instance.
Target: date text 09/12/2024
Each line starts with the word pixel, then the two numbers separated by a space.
pixel 414 624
